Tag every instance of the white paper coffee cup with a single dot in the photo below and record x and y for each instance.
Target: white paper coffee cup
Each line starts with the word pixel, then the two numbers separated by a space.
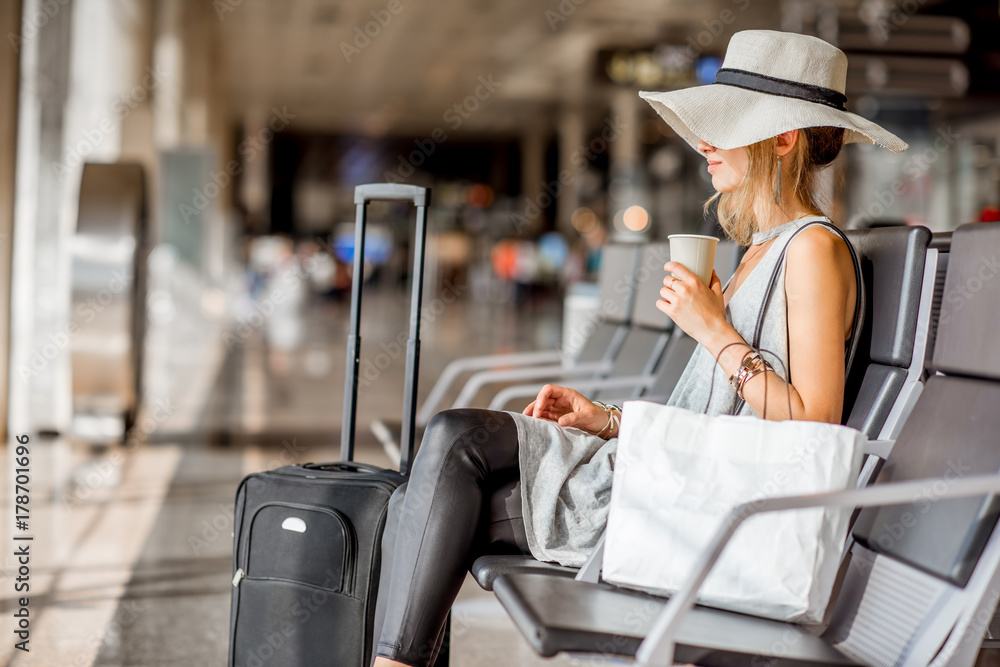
pixel 695 252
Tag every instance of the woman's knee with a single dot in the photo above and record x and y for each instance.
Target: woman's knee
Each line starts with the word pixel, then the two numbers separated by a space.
pixel 457 435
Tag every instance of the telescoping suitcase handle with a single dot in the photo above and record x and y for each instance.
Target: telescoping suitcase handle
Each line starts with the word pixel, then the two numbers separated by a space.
pixel 419 197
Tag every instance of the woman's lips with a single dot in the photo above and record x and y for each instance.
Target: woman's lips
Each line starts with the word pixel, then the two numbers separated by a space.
pixel 712 165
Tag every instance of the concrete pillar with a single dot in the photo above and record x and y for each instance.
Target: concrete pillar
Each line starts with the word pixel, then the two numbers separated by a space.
pixel 627 186
pixel 196 37
pixel 168 58
pixel 10 24
pixel 137 142
pixel 625 151
pixel 533 175
pixel 255 186
pixel 572 134
pixel 41 299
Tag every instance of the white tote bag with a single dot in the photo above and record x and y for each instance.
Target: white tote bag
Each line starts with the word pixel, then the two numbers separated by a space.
pixel 677 475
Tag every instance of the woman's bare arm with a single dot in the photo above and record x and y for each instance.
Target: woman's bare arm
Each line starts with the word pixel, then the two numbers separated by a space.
pixel 820 288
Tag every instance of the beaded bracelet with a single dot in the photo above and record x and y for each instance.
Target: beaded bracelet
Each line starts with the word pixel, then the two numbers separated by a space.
pixel 612 417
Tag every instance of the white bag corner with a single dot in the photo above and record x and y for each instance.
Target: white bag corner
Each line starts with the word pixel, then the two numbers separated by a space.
pixel 677 475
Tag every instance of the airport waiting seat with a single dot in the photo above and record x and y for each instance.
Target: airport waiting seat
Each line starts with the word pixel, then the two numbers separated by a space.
pixel 899 271
pixel 645 366
pixel 616 290
pixel 629 355
pixel 919 588
pixel 940 241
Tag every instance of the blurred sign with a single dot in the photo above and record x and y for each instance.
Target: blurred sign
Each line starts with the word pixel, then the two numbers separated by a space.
pixel 665 66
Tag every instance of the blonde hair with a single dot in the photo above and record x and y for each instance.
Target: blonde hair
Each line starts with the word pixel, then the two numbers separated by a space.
pixel 814 148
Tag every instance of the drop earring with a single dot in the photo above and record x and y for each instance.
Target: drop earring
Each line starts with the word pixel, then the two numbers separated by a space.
pixel 777 183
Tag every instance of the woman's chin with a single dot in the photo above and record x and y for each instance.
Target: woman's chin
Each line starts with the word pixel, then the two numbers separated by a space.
pixel 722 185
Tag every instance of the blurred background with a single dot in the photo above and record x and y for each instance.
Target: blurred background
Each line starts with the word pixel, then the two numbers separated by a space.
pixel 177 320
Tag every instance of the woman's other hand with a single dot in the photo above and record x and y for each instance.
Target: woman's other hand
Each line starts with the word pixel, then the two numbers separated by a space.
pixel 567 408
pixel 697 308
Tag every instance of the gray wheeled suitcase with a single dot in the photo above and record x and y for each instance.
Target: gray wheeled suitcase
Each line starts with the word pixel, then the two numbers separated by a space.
pixel 307 538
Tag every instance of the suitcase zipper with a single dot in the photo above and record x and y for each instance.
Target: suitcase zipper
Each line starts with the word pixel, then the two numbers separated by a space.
pixel 238 577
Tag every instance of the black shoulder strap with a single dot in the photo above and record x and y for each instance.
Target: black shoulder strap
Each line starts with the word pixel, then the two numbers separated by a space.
pixel 859 303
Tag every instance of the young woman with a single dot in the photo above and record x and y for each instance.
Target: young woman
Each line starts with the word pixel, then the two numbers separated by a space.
pixel 539 482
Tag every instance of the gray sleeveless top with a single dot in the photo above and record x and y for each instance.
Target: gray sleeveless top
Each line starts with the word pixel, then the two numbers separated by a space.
pixel 695 384
pixel 566 473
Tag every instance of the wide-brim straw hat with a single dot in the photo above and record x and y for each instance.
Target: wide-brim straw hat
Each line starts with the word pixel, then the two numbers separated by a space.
pixel 770 82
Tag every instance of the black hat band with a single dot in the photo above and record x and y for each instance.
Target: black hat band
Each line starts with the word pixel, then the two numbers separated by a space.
pixel 782 87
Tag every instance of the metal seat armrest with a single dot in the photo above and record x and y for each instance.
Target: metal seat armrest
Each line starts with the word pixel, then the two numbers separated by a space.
pixel 508 394
pixel 879 448
pixel 483 378
pixel 459 366
pixel 590 571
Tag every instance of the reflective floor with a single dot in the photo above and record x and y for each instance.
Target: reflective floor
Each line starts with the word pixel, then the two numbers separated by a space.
pixel 131 558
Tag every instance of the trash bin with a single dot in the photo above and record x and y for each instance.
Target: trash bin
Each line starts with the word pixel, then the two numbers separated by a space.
pixel 580 306
pixel 108 310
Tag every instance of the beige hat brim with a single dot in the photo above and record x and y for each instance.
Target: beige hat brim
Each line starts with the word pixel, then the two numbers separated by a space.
pixel 729 117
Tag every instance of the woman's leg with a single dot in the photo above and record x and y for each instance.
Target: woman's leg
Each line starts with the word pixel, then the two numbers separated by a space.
pixel 441 521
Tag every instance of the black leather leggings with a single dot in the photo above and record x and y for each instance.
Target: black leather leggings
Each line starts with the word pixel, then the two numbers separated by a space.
pixel 462 500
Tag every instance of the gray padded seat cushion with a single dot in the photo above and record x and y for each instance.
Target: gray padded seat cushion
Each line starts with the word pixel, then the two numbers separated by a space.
pixel 649 281
pixel 637 349
pixel 675 360
pixel 892 261
pixel 892 266
pixel 596 347
pixel 966 342
pixel 616 288
pixel 875 398
pixel 486 569
pixel 944 538
pixel 558 614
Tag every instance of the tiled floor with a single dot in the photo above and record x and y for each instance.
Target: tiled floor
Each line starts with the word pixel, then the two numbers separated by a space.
pixel 132 550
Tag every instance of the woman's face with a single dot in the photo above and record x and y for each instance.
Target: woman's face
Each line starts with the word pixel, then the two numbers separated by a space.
pixel 727 166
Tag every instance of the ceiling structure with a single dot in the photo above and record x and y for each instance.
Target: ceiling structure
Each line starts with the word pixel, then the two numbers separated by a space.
pixel 433 54
pixel 400 67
